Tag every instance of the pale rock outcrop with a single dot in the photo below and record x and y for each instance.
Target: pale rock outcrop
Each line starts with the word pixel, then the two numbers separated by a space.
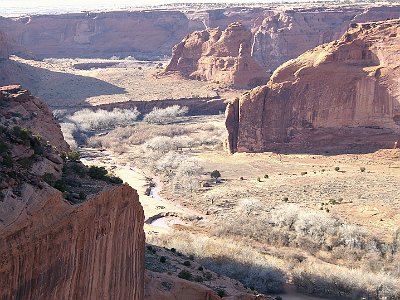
pixel 345 94
pixel 220 56
pixel 49 248
pixel 146 34
pixel 289 33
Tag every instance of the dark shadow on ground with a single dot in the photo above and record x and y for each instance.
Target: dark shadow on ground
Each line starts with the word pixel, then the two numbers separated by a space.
pixel 55 88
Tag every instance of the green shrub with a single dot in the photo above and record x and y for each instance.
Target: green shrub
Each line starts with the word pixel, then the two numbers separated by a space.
pixel 60 185
pixel 163 259
pixel 199 278
pixel 7 161
pixel 185 274
pixel 22 133
pixel 221 292
pixel 3 147
pixel 49 179
pixel 73 156
pixel 115 180
pixel 200 268
pixel 97 172
pixel 82 195
pixel 215 175
pixel 186 263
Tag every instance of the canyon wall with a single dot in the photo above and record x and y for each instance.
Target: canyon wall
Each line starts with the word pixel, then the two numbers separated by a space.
pixel 143 34
pixel 289 33
pixel 49 248
pixel 220 56
pixel 345 94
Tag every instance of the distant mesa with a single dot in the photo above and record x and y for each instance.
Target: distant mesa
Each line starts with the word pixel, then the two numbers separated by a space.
pixel 341 95
pixel 222 56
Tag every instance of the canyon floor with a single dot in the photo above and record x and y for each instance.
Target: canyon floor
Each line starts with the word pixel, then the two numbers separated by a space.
pixel 357 191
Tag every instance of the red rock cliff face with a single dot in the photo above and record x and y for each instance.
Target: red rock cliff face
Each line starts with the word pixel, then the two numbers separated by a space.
pixel 49 248
pixel 53 250
pixel 287 34
pixel 222 56
pixel 140 33
pixel 342 94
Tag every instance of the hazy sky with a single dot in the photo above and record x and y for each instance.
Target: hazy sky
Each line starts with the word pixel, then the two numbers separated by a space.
pixel 18 7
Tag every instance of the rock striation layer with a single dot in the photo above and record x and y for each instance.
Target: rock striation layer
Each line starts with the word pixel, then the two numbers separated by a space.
pixel 287 34
pixel 221 56
pixel 49 248
pixel 344 94
pixel 144 34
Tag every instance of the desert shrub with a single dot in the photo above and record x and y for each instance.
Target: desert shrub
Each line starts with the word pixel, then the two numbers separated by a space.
pixel 69 130
pixel 72 156
pixel 336 281
pixel 249 205
pixel 337 169
pixel 221 292
pixel 185 274
pixel 82 195
pixel 165 115
pixel 362 169
pixel 96 172
pixel 215 175
pixel 60 185
pixel 259 179
pixel 186 177
pixel 135 135
pixel 89 120
pixel 303 173
pixel 266 176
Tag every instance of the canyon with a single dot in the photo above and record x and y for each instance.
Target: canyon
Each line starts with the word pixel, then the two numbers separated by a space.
pixel 49 248
pixel 315 212
pixel 342 94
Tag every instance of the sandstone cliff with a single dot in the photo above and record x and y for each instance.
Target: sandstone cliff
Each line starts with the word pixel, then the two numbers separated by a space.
pixel 145 34
pixel 221 56
pixel 342 94
pixel 49 248
pixel 289 33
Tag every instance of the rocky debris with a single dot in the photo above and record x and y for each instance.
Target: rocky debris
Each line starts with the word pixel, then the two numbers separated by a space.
pixel 344 94
pixel 173 275
pixel 220 56
pixel 287 34
pixel 144 34
pixel 48 247
pixel 20 108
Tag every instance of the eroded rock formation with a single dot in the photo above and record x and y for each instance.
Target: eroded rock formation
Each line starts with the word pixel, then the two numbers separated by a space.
pixel 145 34
pixel 342 94
pixel 289 33
pixel 221 56
pixel 49 248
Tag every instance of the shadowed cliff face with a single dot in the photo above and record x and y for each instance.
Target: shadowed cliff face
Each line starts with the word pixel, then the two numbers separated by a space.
pixel 221 56
pixel 344 94
pixel 142 33
pixel 50 249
